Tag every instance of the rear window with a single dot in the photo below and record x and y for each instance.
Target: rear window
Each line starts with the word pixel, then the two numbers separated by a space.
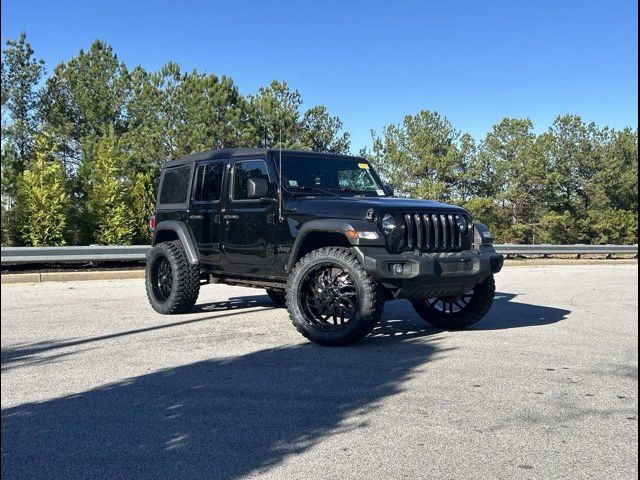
pixel 175 185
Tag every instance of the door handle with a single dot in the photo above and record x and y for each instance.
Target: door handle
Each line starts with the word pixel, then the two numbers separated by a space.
pixel 231 217
pixel 196 217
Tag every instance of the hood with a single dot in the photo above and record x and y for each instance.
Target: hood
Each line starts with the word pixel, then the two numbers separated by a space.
pixel 356 207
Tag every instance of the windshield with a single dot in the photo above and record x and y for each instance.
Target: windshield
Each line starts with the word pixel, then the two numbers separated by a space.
pixel 317 175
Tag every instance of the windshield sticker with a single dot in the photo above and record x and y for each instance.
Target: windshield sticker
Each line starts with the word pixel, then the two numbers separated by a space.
pixel 364 166
pixel 380 193
pixel 293 183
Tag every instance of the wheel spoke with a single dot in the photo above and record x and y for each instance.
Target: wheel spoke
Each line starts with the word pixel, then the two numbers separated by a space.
pixel 450 305
pixel 328 296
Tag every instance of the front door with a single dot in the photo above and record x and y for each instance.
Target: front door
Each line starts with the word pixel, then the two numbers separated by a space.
pixel 248 223
pixel 204 215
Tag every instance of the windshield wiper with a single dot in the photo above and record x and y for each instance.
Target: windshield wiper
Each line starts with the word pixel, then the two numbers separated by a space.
pixel 312 189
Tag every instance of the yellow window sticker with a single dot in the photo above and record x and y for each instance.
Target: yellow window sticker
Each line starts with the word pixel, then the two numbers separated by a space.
pixel 364 166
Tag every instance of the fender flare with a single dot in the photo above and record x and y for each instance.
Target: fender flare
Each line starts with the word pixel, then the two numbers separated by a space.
pixel 334 226
pixel 181 229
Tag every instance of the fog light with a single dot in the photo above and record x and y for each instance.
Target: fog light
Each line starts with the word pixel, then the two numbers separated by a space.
pixel 398 269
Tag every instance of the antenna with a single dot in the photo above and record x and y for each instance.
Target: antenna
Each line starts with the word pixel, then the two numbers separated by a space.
pixel 280 217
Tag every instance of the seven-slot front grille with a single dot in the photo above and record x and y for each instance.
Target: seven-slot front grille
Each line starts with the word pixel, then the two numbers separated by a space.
pixel 434 231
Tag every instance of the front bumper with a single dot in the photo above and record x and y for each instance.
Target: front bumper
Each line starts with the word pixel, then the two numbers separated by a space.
pixel 430 274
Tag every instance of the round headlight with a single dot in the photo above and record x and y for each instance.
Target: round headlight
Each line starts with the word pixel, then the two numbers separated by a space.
pixel 463 223
pixel 388 223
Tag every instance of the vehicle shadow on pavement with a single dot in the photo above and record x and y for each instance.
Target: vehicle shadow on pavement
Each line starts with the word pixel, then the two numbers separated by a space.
pixel 236 303
pixel 506 312
pixel 34 353
pixel 221 418
pixel 398 319
pixel 228 418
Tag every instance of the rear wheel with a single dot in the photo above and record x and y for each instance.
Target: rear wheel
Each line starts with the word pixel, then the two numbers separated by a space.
pixel 173 284
pixel 331 299
pixel 459 312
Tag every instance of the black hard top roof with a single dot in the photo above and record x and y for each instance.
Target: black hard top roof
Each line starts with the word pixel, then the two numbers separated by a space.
pixel 244 152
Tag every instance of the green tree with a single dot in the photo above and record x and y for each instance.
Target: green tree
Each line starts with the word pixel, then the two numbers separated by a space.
pixel 86 96
pixel 173 114
pixel 21 73
pixel 278 121
pixel 422 157
pixel 61 118
pixel 321 132
pixel 492 214
pixel 143 204
pixel 107 195
pixel 7 198
pixel 515 174
pixel 153 115
pixel 275 112
pixel 575 153
pixel 42 198
pixel 619 170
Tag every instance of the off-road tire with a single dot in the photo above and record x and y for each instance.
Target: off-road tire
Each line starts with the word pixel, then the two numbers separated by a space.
pixel 370 302
pixel 185 279
pixel 478 307
pixel 279 297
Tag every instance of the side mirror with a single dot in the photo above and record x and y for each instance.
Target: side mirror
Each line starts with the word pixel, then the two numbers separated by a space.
pixel 257 188
pixel 388 189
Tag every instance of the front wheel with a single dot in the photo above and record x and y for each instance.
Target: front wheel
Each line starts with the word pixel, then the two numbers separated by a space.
pixel 459 312
pixel 331 299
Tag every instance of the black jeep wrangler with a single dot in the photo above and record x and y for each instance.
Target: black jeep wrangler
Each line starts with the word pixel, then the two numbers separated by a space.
pixel 322 234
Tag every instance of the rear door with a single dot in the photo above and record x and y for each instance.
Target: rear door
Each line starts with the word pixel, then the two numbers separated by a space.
pixel 204 215
pixel 248 223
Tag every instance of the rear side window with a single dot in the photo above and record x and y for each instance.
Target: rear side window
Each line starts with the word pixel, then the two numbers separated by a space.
pixel 243 171
pixel 175 185
pixel 208 185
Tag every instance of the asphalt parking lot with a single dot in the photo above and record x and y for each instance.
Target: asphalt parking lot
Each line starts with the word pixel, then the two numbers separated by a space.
pixel 96 385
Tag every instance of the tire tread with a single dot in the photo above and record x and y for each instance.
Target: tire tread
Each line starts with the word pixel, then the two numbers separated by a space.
pixel 188 280
pixel 373 298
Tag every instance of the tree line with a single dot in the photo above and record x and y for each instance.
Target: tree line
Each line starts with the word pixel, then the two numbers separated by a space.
pixel 82 147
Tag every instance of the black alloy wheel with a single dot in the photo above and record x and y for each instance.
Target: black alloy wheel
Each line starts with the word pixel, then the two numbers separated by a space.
pixel 172 283
pixel 162 278
pixel 329 297
pixel 458 312
pixel 451 305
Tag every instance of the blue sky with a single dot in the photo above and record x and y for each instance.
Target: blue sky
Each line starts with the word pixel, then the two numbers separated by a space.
pixel 372 62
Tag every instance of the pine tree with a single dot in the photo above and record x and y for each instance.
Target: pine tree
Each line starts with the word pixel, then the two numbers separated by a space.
pixel 21 72
pixel 143 203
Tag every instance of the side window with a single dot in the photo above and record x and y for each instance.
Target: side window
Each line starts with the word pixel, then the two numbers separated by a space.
pixel 243 171
pixel 175 185
pixel 208 183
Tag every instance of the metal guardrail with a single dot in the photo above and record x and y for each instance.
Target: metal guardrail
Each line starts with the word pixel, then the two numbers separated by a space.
pixel 136 253
pixel 509 249
pixel 92 253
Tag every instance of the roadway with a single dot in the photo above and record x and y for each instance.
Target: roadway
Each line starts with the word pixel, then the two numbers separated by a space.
pixel 96 385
